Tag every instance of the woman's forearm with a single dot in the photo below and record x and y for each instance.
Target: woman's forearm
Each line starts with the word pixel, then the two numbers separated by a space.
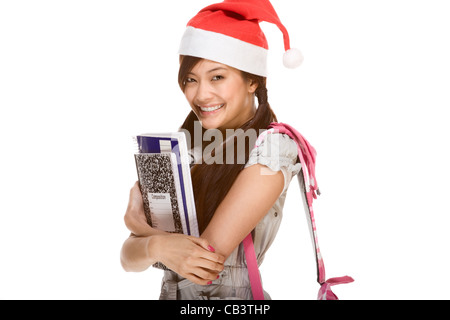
pixel 138 253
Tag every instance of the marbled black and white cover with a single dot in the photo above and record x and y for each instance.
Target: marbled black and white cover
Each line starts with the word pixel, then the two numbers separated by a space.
pixel 161 192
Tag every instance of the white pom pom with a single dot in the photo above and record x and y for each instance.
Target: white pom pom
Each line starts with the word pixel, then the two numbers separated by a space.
pixel 292 58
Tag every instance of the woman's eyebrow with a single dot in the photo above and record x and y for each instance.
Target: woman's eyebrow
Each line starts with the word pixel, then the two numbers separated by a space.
pixel 209 71
pixel 216 69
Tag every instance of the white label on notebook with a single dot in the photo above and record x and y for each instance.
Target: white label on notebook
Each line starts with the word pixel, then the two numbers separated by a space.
pixel 161 211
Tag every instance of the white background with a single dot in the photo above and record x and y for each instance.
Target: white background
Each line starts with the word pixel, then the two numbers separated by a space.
pixel 79 78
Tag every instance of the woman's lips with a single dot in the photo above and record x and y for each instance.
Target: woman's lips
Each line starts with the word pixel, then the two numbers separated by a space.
pixel 209 109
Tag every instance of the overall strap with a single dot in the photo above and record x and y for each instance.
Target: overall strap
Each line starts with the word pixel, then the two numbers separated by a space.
pixel 309 188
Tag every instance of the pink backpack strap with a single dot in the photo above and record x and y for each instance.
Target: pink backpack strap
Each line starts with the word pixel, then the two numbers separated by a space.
pixel 308 183
pixel 253 270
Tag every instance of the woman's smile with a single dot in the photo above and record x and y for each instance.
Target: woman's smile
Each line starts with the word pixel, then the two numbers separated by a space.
pixel 211 109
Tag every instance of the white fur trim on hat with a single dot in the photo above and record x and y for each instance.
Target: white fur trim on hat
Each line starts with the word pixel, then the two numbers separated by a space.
pixel 224 49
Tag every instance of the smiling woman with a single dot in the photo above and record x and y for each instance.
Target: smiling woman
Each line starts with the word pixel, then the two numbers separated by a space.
pixel 222 73
pixel 79 78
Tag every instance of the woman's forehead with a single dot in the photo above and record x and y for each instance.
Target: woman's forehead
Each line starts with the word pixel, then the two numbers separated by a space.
pixel 205 65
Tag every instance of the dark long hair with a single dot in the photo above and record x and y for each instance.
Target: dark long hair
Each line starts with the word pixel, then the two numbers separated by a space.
pixel 211 182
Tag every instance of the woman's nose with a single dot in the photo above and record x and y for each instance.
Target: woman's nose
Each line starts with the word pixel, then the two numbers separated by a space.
pixel 204 93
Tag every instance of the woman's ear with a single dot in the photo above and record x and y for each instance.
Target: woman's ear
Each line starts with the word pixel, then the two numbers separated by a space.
pixel 252 86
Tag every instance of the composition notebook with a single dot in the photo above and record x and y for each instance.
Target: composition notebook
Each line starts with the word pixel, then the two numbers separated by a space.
pixel 163 167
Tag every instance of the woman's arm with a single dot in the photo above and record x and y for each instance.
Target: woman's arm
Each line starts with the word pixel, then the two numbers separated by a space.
pixel 135 219
pixel 191 257
pixel 252 195
pixel 137 253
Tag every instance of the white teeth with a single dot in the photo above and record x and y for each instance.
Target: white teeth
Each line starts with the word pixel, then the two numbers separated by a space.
pixel 211 108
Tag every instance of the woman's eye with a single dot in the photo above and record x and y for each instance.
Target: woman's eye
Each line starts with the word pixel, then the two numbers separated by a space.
pixel 216 78
pixel 190 80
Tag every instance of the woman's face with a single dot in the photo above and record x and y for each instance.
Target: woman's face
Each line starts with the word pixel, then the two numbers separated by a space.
pixel 219 95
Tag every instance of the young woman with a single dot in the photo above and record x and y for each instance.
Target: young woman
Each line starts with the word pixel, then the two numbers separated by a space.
pixel 222 74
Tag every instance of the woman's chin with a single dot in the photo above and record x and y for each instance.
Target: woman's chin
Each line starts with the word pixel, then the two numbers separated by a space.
pixel 209 125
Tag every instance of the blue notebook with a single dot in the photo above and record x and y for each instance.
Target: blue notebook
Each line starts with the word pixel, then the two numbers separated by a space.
pixel 163 166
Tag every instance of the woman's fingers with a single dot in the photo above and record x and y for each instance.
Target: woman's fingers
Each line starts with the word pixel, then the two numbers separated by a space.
pixel 202 276
pixel 204 260
pixel 210 259
pixel 211 265
pixel 209 252
pixel 202 270
pixel 191 257
pixel 199 275
pixel 199 280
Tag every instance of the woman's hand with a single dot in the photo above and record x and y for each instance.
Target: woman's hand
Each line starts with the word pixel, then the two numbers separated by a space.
pixel 135 219
pixel 191 257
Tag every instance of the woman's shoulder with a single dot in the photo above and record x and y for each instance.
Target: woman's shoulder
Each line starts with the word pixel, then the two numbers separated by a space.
pixel 275 150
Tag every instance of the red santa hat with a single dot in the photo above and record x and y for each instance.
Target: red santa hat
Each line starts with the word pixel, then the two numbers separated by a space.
pixel 228 32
